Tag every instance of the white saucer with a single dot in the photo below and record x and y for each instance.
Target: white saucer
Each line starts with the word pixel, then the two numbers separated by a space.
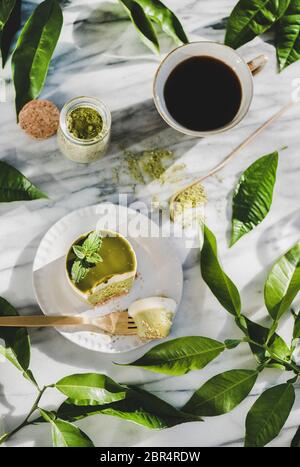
pixel 159 271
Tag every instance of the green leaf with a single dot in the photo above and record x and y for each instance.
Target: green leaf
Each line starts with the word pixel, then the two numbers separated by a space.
pixel 139 407
pixel 268 415
pixel 222 393
pixel 94 388
pixel 17 344
pixel 65 434
pixel 78 271
pixel 288 36
pixel 296 331
pixel 278 348
pixel 87 256
pixel 94 258
pixel 253 196
pixel 276 345
pixel 6 8
pixel 92 243
pixel 219 283
pixel 4 437
pixel 259 334
pixel 250 18
pixel 143 12
pixel 283 283
pixel 232 343
pixel 180 356
pixel 79 251
pixel 34 49
pixel 165 18
pixel 10 21
pixel 296 440
pixel 30 377
pixel 142 24
pixel 15 187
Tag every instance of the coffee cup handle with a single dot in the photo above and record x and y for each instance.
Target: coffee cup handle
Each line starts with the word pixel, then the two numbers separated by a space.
pixel 257 64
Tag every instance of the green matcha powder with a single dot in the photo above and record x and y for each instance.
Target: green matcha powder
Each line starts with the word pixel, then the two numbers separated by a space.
pixel 84 123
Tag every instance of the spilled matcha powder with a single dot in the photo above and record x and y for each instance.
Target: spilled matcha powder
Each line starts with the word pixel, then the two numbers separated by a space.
pixel 187 202
pixel 152 162
pixel 192 197
pixel 84 123
pixel 131 160
pixel 147 164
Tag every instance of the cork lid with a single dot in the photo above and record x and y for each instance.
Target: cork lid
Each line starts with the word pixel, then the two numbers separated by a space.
pixel 39 119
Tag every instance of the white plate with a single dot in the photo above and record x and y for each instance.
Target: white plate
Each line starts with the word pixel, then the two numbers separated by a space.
pixel 159 270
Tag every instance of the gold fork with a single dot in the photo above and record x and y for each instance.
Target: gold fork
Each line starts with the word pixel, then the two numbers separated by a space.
pixel 118 323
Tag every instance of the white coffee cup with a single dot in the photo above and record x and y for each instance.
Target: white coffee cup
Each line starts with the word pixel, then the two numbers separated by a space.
pixel 227 55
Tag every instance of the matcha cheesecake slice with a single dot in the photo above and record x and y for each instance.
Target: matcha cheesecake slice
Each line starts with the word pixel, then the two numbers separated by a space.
pixel 153 316
pixel 101 265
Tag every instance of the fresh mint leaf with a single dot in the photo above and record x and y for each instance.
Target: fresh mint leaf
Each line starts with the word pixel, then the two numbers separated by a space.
pixel 79 251
pixel 92 243
pixel 94 258
pixel 87 256
pixel 78 272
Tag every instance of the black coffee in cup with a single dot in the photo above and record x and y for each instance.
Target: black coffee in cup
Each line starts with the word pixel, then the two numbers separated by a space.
pixel 203 94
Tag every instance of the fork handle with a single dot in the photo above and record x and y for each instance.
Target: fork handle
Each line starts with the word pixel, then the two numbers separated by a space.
pixel 40 321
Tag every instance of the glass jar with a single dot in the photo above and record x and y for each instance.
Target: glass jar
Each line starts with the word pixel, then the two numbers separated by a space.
pixel 81 150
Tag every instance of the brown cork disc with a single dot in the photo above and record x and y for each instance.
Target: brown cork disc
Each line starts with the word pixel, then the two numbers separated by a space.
pixel 39 119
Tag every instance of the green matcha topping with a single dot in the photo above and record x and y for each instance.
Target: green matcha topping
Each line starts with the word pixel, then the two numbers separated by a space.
pixel 117 258
pixel 84 123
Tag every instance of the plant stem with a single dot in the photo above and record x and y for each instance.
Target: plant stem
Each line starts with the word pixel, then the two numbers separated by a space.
pixel 25 422
pixel 291 365
pixel 272 331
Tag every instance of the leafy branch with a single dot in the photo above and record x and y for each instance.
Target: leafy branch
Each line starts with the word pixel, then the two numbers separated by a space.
pixel 250 19
pixel 94 394
pixel 86 395
pixel 225 391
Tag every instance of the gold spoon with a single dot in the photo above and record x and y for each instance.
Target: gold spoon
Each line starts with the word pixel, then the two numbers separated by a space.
pixel 174 199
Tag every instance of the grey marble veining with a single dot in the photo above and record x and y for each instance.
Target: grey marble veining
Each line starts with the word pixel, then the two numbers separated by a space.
pixel 99 54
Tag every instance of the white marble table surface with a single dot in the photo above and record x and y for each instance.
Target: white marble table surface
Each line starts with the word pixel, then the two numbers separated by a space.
pixel 102 57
